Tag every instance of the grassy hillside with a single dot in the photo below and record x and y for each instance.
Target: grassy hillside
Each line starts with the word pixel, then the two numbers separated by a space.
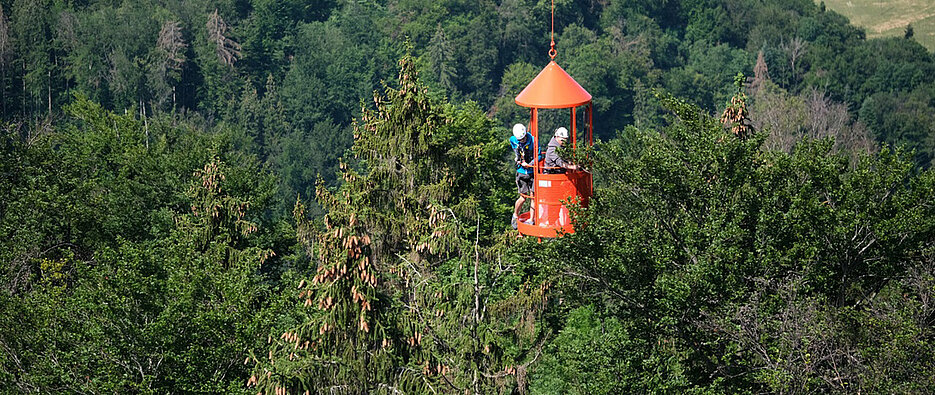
pixel 889 18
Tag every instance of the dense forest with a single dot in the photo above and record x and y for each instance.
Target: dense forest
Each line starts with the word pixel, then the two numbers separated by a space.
pixel 284 196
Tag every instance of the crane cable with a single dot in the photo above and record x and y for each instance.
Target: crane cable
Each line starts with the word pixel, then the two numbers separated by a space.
pixel 552 45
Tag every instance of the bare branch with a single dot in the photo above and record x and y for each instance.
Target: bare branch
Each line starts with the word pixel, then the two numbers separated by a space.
pixel 5 42
pixel 172 44
pixel 228 50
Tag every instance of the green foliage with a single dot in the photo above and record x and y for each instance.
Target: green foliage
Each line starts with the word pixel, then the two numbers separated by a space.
pixel 121 271
pixel 136 250
pixel 613 68
pixel 589 356
pixel 708 79
pixel 515 78
pixel 394 305
pixel 441 61
pixel 744 269
pixel 327 80
pixel 203 55
pixel 903 119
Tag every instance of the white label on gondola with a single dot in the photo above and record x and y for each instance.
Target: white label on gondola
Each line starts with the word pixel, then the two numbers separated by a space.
pixel 545 184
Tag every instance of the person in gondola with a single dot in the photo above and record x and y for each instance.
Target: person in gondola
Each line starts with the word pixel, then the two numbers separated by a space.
pixel 522 144
pixel 554 164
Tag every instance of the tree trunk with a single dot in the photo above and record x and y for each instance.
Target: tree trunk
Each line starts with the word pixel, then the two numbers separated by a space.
pixel 145 122
pixel 24 88
pixel 2 87
pixel 477 317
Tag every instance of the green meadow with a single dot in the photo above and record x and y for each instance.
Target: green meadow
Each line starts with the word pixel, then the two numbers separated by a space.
pixel 890 17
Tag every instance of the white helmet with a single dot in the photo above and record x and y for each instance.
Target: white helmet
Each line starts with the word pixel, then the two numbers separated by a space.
pixel 561 133
pixel 519 131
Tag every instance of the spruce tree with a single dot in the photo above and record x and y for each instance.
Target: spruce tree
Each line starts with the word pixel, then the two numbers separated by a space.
pixel 412 291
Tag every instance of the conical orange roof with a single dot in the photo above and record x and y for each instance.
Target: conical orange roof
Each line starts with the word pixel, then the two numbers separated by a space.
pixel 553 88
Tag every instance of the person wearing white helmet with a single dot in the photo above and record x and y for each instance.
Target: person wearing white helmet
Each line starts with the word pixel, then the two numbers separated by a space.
pixel 554 164
pixel 523 145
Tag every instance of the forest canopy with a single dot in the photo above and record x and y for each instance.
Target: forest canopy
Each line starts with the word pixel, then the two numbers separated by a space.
pixel 249 196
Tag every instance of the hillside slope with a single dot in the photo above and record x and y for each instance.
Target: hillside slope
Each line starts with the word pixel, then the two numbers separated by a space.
pixel 890 18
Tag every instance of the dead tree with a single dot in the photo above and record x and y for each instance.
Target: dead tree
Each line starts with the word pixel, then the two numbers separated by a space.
pixel 4 50
pixel 795 48
pixel 228 50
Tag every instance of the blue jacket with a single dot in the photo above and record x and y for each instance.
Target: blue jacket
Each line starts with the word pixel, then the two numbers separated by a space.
pixel 523 152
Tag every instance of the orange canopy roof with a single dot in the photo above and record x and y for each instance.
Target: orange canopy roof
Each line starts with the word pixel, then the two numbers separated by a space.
pixel 553 88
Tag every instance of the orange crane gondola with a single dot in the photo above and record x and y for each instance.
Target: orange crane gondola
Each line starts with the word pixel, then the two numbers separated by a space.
pixel 553 88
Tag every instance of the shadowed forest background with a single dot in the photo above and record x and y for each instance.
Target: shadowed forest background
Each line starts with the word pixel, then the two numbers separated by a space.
pixel 286 196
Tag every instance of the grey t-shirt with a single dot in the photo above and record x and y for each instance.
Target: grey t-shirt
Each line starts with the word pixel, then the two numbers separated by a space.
pixel 551 156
